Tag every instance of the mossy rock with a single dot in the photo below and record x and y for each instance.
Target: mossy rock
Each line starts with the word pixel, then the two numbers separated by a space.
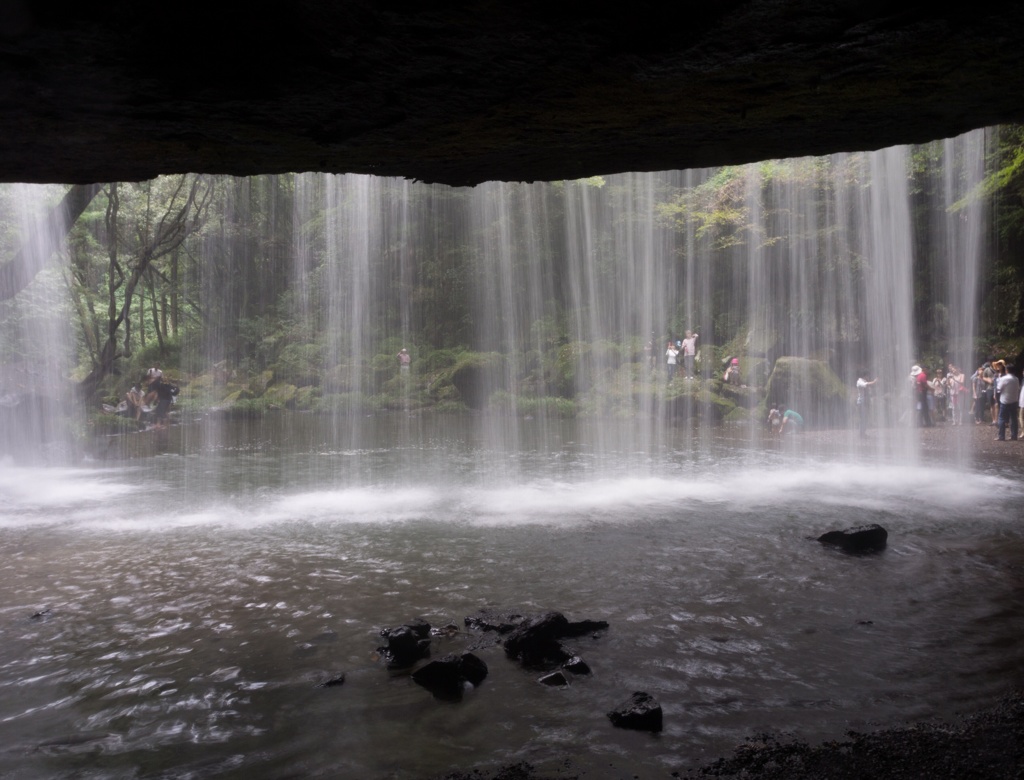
pixel 306 397
pixel 299 364
pixel 811 388
pixel 745 396
pixel 684 400
pixel 282 395
pixel 261 381
pixel 242 394
pixel 246 408
pixel 476 376
pixel 203 383
pixel 738 415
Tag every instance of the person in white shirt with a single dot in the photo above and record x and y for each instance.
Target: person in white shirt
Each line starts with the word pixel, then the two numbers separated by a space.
pixel 670 356
pixel 1008 392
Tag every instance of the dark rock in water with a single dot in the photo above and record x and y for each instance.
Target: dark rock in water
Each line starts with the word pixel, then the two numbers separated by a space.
pixel 333 681
pixel 501 621
pixel 862 539
pixel 555 679
pixel 40 615
pixel 447 677
pixel 473 669
pixel 584 627
pixel 406 644
pixel 535 642
pixel 576 665
pixel 640 712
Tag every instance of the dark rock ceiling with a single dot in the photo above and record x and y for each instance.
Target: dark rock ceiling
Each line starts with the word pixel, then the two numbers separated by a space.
pixel 462 92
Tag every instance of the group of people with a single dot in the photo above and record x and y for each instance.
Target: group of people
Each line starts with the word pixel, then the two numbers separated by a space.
pixel 942 397
pixel 782 421
pixel 687 348
pixel 154 389
pixel 996 388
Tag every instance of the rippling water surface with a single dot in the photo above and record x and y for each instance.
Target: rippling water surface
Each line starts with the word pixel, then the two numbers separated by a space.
pixel 169 612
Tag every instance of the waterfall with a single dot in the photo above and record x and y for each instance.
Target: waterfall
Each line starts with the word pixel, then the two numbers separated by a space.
pixel 38 416
pixel 553 304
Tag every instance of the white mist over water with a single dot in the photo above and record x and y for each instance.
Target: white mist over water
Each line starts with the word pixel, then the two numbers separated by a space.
pixel 147 499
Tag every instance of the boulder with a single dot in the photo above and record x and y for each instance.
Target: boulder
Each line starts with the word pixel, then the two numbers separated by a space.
pixel 476 375
pixel 811 388
pixel 862 539
pixel 406 644
pixel 447 678
pixel 640 711
pixel 535 642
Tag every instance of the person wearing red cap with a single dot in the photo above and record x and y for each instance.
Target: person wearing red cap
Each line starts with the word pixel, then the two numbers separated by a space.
pixel 920 381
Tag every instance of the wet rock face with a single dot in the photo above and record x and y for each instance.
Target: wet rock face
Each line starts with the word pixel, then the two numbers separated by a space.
pixel 406 644
pixel 516 91
pixel 536 641
pixel 447 678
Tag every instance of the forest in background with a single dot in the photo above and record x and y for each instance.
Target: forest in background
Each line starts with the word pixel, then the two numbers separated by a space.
pixel 203 276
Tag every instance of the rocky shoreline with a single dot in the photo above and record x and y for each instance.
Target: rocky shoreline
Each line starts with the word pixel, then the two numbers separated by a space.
pixel 988 745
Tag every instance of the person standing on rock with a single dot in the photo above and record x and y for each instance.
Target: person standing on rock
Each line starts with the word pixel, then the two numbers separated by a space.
pixel 1008 391
pixel 671 354
pixel 978 395
pixel 689 353
pixel 956 393
pixel 863 402
pixel 919 379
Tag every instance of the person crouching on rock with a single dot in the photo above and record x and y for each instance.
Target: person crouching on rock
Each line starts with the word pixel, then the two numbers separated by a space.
pixel 162 392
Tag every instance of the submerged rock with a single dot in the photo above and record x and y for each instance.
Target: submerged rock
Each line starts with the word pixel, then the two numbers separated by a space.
pixel 555 680
pixel 333 681
pixel 501 621
pixel 406 645
pixel 862 539
pixel 640 712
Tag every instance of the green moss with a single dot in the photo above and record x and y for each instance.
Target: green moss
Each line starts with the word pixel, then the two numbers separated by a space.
pixel 282 395
pixel 299 364
pixel 738 415
pixel 306 398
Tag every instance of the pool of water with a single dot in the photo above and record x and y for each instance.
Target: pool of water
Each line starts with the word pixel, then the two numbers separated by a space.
pixel 168 610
